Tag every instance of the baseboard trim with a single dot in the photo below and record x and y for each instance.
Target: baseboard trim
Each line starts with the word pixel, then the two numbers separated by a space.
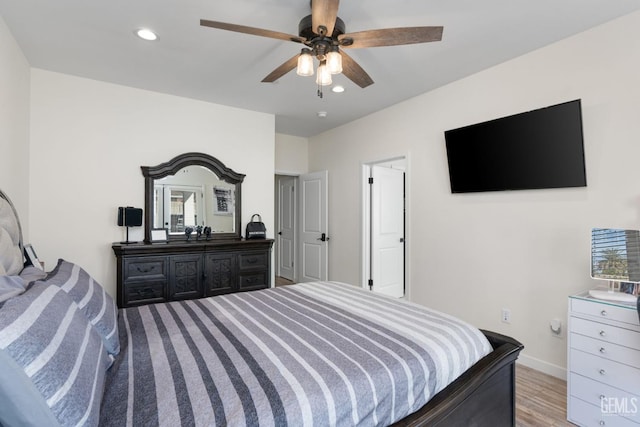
pixel 542 366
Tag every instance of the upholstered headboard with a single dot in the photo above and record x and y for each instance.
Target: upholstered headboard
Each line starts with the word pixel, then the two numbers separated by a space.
pixel 11 250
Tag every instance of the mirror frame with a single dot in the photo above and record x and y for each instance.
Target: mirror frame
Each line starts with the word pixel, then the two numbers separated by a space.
pixel 151 173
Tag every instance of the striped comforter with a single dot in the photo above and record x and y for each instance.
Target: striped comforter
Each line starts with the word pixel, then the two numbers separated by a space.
pixel 320 353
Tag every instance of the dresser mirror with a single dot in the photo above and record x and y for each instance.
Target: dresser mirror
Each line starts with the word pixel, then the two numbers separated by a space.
pixel 189 191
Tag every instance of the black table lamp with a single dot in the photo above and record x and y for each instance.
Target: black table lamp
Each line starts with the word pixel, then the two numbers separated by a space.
pixel 129 217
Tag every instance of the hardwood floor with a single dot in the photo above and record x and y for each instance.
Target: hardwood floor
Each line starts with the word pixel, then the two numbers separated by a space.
pixel 541 400
pixel 281 281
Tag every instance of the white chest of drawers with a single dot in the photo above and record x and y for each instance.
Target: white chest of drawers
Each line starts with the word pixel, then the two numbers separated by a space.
pixel 603 380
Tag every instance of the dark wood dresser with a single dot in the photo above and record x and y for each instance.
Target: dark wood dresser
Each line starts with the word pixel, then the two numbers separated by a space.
pixel 160 272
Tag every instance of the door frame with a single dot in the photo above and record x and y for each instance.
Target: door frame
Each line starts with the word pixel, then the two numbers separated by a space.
pixel 366 221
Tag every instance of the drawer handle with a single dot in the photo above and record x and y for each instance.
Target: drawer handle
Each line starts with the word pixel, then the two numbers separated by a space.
pixel 251 279
pixel 602 350
pixel 602 371
pixel 601 422
pixel 145 270
pixel 603 312
pixel 602 397
pixel 602 333
pixel 252 260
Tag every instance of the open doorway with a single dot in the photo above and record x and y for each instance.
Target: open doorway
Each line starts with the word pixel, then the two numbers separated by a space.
pixel 383 185
pixel 302 228
pixel 286 224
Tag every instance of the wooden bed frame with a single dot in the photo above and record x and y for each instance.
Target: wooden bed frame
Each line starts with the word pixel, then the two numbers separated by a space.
pixel 482 396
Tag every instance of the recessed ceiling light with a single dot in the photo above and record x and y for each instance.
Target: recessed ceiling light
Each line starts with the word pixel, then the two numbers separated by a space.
pixel 322 114
pixel 146 34
pixel 337 89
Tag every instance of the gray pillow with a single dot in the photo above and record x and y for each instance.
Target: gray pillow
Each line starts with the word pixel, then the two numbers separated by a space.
pixel 92 299
pixel 52 361
pixel 10 286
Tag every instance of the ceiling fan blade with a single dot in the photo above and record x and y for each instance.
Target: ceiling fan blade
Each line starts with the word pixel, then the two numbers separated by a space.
pixel 324 13
pixel 252 30
pixel 355 72
pixel 282 70
pixel 391 37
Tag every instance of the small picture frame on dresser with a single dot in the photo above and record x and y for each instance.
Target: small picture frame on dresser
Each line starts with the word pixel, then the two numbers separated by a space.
pixel 159 235
pixel 31 256
pixel 629 288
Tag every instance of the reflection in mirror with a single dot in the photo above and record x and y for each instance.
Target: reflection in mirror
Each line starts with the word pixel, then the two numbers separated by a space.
pixel 194 196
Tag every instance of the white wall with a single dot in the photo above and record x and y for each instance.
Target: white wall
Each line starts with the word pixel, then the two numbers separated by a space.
pixel 88 141
pixel 292 155
pixel 473 254
pixel 14 124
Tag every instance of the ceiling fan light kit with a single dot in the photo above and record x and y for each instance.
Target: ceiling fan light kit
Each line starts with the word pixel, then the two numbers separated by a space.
pixel 324 33
pixel 324 75
pixel 305 63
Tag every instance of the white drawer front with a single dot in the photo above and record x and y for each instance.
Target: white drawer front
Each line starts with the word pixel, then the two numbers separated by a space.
pixel 610 351
pixel 604 332
pixel 593 392
pixel 605 371
pixel 604 311
pixel 584 414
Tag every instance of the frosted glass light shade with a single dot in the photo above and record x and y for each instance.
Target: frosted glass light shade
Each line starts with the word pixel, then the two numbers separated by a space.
pixel 334 62
pixel 324 76
pixel 305 63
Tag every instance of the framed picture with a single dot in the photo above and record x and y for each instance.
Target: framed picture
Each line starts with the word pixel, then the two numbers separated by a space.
pixel 159 235
pixel 31 256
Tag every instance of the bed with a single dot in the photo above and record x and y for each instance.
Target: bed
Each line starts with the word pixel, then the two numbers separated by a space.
pixel 322 353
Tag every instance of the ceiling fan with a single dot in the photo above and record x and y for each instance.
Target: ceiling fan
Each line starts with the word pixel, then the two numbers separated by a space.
pixel 323 34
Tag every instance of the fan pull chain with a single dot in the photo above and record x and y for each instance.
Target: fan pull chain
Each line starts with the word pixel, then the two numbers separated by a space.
pixel 320 91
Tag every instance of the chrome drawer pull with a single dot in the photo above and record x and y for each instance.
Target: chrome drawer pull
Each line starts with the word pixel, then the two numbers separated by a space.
pixel 601 422
pixel 602 333
pixel 603 312
pixel 602 371
pixel 602 350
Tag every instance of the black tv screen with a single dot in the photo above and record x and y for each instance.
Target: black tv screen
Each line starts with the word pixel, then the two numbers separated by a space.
pixel 532 150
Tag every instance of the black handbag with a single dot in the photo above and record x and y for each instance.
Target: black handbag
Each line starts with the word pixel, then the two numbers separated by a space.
pixel 256 229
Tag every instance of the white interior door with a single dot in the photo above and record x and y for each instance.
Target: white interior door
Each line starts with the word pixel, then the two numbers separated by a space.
pixel 314 227
pixel 286 227
pixel 387 231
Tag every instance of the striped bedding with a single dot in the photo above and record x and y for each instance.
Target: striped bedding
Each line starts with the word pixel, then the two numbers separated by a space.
pixel 320 353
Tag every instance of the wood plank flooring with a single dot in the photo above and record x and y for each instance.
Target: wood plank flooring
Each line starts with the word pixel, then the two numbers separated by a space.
pixel 541 400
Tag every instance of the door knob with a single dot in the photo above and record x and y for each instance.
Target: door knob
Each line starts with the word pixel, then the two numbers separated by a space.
pixel 323 237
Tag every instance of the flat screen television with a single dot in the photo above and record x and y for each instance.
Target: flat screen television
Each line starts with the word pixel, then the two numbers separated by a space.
pixel 533 150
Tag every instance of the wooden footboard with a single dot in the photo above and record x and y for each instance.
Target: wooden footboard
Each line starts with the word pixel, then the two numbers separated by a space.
pixel 483 396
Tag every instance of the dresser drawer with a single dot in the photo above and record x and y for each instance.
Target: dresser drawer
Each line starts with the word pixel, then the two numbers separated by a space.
pixel 607 350
pixel 145 268
pixel 253 260
pixel 605 311
pixel 605 371
pixel 605 332
pixel 257 280
pixel 593 392
pixel 144 293
pixel 587 415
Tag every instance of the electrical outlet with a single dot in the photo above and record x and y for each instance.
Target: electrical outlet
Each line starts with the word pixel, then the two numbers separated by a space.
pixel 506 315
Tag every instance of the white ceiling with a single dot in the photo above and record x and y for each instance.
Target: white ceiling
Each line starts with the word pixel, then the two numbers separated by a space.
pixel 95 39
